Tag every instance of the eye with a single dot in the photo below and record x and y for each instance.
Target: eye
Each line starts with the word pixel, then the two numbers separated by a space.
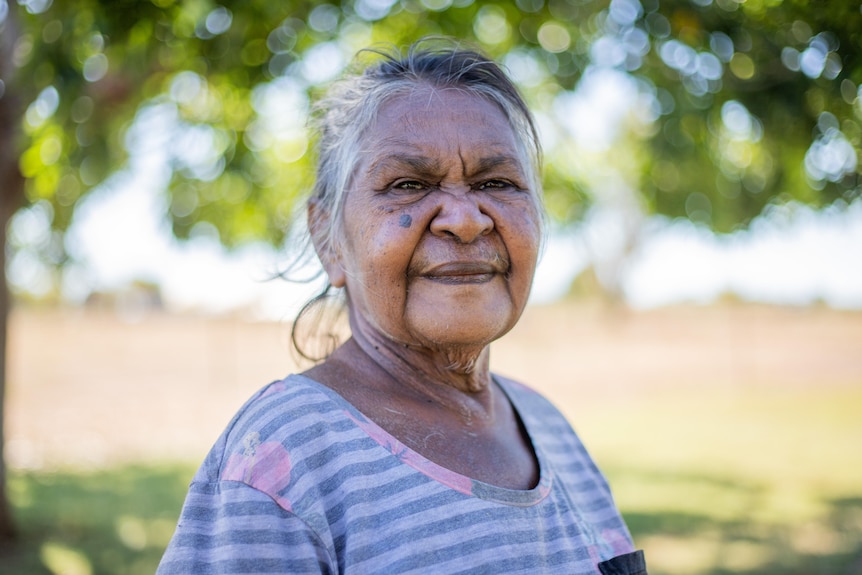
pixel 409 185
pixel 494 185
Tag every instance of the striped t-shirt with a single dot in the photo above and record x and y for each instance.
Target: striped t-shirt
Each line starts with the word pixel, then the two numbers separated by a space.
pixel 302 482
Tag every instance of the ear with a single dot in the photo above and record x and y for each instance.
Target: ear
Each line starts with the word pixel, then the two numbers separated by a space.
pixel 318 227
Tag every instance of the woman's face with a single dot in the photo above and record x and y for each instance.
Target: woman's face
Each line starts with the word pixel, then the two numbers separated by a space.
pixel 441 228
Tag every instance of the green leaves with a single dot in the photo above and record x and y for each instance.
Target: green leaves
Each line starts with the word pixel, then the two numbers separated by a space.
pixel 738 105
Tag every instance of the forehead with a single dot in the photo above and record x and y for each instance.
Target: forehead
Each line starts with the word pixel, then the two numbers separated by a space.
pixel 441 120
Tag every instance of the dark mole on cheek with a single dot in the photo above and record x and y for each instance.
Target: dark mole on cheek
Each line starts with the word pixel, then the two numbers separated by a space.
pixel 405 221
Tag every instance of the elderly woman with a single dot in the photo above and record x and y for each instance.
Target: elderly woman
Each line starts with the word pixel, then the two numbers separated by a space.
pixel 401 452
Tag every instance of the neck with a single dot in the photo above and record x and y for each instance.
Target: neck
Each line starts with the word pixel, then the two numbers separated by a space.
pixel 457 379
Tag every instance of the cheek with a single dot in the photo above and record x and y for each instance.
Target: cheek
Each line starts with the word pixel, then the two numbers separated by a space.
pixel 379 249
pixel 522 230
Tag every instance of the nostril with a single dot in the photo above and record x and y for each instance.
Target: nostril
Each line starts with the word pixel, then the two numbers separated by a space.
pixel 461 218
pixel 458 238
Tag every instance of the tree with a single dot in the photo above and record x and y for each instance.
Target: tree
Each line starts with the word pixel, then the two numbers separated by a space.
pixel 739 104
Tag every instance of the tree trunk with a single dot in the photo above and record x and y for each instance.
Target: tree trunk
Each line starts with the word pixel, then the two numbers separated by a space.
pixel 11 198
pixel 7 525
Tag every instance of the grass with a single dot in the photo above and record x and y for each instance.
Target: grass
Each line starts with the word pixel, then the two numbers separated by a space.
pixel 731 436
pixel 753 481
pixel 107 522
pixel 711 481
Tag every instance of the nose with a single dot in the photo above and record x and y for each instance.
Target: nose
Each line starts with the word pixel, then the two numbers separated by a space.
pixel 460 217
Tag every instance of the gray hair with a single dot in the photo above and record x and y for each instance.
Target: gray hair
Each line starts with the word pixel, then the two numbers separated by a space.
pixel 343 116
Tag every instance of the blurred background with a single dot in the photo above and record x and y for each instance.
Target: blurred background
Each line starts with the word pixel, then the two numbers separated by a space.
pixel 697 312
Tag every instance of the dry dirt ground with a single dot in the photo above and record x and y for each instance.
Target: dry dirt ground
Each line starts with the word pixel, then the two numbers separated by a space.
pixel 89 389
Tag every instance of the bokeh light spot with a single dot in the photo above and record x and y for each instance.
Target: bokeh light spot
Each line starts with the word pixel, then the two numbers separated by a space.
pixel 437 5
pixel 491 26
pixel 553 37
pixel 742 66
pixel 95 67
pixel 219 20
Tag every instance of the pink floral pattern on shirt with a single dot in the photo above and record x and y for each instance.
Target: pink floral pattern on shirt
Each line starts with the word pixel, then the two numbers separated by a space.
pixel 264 466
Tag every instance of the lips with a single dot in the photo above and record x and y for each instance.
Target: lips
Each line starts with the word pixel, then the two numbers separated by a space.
pixel 463 272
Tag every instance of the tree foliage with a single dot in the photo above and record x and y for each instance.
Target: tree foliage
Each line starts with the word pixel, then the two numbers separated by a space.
pixel 746 103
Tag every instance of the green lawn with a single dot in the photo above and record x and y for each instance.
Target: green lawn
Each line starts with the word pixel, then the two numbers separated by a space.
pixel 711 481
pixel 760 481
pixel 111 522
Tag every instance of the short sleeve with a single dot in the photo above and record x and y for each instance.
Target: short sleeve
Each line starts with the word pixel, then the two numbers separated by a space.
pixel 230 527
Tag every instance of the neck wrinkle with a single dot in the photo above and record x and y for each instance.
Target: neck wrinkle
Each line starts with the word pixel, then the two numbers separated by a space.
pixel 467 394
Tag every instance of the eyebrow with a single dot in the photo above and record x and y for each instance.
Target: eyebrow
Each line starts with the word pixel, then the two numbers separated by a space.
pixel 418 164
pixel 429 166
pixel 491 163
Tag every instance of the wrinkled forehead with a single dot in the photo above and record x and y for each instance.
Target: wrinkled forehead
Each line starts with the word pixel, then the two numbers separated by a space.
pixel 433 119
pixel 429 100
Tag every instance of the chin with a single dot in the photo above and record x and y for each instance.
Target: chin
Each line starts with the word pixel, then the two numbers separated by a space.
pixel 467 316
pixel 461 331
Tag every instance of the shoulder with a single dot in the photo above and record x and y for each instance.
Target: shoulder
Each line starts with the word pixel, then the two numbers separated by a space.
pixel 282 408
pixel 277 469
pixel 532 405
pixel 551 433
pixel 547 426
pixel 285 421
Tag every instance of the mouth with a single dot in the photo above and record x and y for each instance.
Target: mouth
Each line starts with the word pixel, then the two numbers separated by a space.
pixel 462 272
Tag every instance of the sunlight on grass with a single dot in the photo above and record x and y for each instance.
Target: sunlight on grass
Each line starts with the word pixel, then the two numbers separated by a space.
pixel 63 560
pixel 680 555
pixel 755 480
pixel 742 556
pixel 102 522
pixel 132 532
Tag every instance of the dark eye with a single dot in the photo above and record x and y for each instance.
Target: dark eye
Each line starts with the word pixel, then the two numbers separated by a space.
pixel 409 185
pixel 494 185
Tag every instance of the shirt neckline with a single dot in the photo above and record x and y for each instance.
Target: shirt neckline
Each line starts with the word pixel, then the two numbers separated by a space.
pixel 440 474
